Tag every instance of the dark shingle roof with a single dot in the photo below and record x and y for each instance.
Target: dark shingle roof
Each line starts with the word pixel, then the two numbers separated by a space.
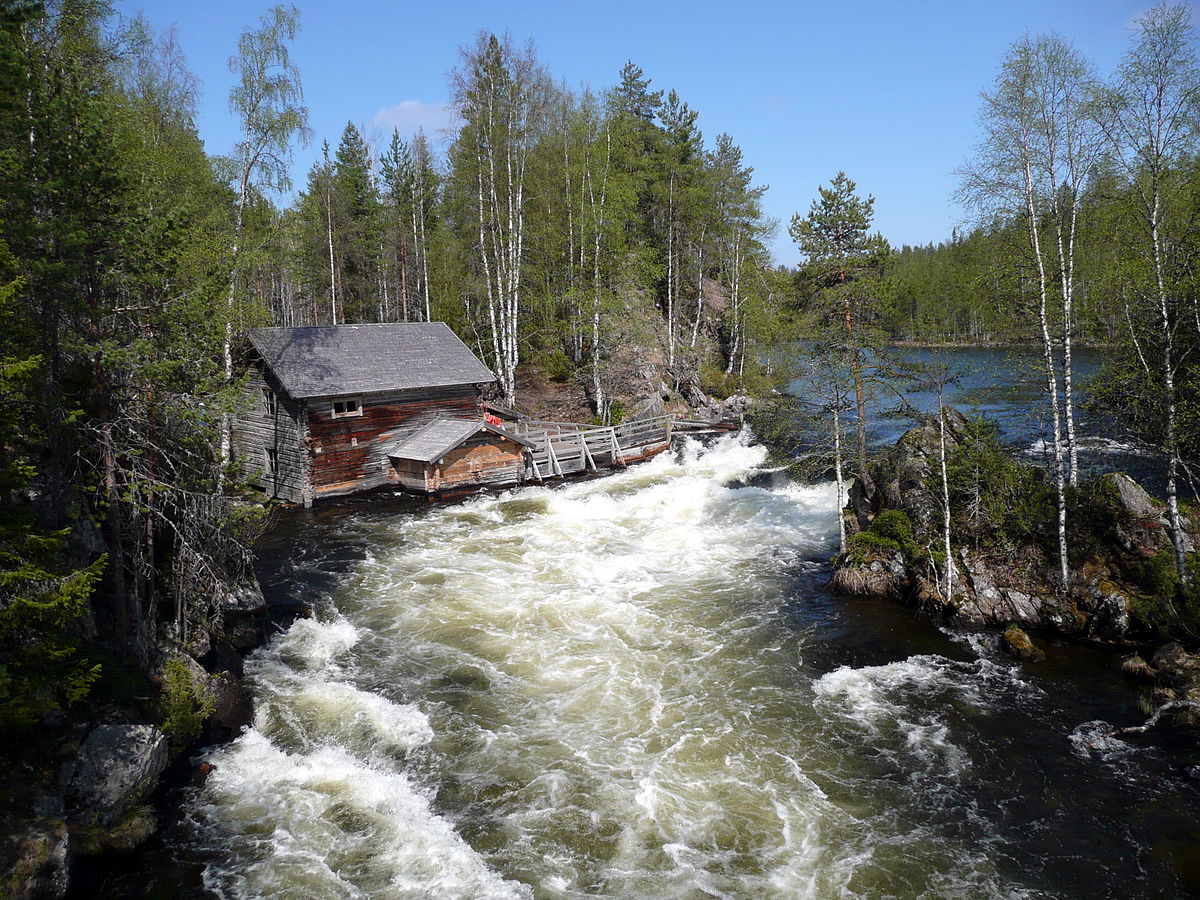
pixel 439 437
pixel 334 360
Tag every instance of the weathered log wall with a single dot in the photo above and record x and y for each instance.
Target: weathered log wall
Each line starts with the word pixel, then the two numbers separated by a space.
pixel 483 460
pixel 347 453
pixel 258 430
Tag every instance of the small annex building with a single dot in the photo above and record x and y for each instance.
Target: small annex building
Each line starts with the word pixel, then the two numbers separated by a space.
pixel 334 409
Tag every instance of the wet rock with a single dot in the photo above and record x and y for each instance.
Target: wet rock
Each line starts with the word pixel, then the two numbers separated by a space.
pixel 243 613
pixel 1015 642
pixel 882 574
pixel 134 829
pixel 117 768
pixel 201 772
pixel 34 860
pixel 232 707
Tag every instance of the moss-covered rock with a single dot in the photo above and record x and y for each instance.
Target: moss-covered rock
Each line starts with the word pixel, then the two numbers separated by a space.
pixel 1015 642
pixel 134 829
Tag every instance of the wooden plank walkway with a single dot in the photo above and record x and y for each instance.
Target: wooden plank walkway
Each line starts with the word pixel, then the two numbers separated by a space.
pixel 566 448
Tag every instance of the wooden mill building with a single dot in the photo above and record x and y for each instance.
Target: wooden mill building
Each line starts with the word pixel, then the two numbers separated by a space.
pixel 333 409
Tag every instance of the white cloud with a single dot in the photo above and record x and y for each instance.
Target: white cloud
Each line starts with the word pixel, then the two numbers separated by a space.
pixel 409 115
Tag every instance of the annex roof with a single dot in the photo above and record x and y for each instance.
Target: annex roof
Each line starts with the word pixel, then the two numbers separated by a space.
pixel 336 360
pixel 433 441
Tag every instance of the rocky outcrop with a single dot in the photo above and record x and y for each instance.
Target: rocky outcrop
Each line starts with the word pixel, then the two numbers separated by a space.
pixel 901 479
pixel 1122 528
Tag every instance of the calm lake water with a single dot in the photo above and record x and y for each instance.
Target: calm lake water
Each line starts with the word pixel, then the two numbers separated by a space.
pixel 1008 386
pixel 638 686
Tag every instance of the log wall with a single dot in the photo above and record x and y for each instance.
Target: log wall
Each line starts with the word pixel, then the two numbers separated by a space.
pixel 485 459
pixel 256 430
pixel 347 453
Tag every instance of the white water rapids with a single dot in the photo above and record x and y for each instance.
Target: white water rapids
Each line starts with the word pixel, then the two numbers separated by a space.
pixel 593 689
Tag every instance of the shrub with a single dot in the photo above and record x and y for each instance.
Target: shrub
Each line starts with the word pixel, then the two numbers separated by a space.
pixel 184 705
pixel 889 532
pixel 896 525
pixel 556 365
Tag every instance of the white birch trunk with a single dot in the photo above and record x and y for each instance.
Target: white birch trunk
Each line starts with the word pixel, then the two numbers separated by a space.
pixel 1051 377
pixel 949 550
pixel 1168 372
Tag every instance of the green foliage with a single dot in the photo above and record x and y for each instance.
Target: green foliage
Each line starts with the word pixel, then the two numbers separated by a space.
pixel 890 531
pixel 860 546
pixel 184 705
pixel 42 596
pixel 556 366
pixel 995 499
pixel 895 525
pixel 42 670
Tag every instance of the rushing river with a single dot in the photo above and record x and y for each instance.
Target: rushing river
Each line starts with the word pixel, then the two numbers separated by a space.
pixel 637 687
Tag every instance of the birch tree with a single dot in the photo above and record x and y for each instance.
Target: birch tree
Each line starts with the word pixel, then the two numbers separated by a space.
pixel 1009 176
pixel 502 96
pixel 1063 88
pixel 269 104
pixel 1149 117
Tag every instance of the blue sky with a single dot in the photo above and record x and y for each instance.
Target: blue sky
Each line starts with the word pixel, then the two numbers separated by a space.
pixel 887 92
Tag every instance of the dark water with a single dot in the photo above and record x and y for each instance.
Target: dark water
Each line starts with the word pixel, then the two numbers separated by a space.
pixel 639 686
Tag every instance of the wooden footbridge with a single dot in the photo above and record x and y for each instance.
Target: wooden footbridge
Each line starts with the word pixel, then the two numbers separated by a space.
pixel 565 448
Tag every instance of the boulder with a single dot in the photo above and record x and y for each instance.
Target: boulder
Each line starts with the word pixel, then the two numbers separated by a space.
pixel 117 769
pixel 232 707
pixel 243 613
pixel 1130 497
pixel 1015 642
pixel 135 828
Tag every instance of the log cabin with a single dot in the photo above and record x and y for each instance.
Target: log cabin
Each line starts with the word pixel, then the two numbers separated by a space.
pixel 334 409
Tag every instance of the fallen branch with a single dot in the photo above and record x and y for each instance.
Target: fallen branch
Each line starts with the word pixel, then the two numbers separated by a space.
pixel 1171 706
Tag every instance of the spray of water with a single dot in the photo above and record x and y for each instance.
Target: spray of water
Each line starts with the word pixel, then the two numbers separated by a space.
pixel 589 690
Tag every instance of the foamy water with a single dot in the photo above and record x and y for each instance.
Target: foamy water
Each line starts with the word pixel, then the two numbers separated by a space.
pixel 593 690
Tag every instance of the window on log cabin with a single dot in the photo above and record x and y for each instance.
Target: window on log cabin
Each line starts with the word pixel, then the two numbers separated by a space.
pixel 270 462
pixel 269 402
pixel 349 407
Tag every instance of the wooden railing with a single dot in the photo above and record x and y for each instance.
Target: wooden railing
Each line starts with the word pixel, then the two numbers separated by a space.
pixel 562 448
